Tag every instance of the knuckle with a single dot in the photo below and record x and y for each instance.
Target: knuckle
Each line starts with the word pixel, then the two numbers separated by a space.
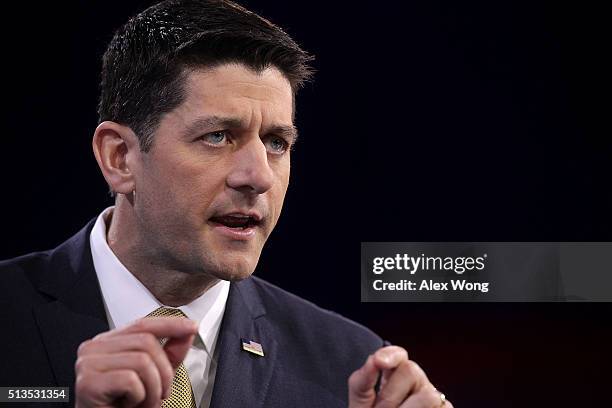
pixel 400 350
pixel 409 368
pixel 381 352
pixel 413 365
pixel 141 360
pixel 131 380
pixel 413 368
pixel 148 341
pixel 84 347
pixel 140 324
pixel 81 364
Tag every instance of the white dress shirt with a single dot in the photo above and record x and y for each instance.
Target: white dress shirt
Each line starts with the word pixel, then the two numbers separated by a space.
pixel 126 299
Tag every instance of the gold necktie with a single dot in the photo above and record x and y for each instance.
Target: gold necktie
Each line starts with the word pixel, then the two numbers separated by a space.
pixel 181 395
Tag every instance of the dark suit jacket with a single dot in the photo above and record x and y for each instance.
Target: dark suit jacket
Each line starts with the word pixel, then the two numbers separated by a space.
pixel 50 302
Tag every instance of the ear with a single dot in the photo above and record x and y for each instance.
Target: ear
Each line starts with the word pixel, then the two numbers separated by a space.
pixel 117 150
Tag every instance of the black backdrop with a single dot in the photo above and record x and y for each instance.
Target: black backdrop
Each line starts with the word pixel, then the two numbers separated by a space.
pixel 432 121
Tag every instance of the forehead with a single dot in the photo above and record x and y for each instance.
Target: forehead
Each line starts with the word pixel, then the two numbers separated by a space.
pixel 235 90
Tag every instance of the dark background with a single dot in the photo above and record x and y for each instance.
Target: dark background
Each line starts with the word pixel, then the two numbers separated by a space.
pixel 433 121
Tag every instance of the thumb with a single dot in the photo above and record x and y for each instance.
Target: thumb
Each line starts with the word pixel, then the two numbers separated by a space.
pixel 361 385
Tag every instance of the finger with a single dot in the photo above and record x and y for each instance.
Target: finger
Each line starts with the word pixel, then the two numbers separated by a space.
pixel 176 349
pixel 408 378
pixel 160 327
pixel 139 362
pixel 109 388
pixel 145 342
pixel 361 385
pixel 426 398
pixel 388 358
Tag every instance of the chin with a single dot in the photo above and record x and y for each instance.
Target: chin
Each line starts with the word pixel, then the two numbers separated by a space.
pixel 237 277
pixel 235 269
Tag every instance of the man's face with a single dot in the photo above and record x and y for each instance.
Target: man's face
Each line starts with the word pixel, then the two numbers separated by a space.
pixel 211 188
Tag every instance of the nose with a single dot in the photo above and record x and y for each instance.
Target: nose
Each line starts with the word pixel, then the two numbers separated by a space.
pixel 251 172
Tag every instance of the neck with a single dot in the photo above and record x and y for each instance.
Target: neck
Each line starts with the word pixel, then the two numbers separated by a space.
pixel 170 285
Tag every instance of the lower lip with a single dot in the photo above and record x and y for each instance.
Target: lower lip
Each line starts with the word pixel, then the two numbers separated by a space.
pixel 239 234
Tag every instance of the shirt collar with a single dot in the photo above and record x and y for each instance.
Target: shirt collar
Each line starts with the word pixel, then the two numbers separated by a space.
pixel 126 299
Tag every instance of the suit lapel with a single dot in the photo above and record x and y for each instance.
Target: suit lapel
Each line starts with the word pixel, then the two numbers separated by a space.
pixel 76 311
pixel 243 378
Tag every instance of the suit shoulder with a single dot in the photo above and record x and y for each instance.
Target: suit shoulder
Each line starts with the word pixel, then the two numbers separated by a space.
pixel 30 266
pixel 21 277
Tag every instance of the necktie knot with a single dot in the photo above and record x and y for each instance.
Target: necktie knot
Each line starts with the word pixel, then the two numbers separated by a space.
pixel 166 311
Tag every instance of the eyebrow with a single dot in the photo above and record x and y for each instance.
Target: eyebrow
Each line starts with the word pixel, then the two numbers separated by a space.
pixel 287 131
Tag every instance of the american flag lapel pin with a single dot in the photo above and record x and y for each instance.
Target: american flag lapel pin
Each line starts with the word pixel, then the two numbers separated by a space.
pixel 252 347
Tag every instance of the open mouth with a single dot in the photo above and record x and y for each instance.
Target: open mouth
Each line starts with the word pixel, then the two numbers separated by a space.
pixel 236 221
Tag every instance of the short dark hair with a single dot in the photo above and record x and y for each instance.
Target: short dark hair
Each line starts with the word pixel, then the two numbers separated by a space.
pixel 144 67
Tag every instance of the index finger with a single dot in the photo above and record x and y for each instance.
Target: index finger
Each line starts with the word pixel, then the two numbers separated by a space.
pixel 160 327
pixel 390 357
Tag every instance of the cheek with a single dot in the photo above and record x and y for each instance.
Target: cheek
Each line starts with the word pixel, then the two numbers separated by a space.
pixel 185 191
pixel 282 169
pixel 278 193
pixel 199 190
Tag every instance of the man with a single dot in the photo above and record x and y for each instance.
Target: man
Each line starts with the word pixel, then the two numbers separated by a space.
pixel 196 128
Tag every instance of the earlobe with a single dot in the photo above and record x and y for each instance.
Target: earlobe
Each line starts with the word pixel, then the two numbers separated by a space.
pixel 114 146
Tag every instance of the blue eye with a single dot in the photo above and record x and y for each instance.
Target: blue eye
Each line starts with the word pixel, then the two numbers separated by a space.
pixel 277 145
pixel 215 138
